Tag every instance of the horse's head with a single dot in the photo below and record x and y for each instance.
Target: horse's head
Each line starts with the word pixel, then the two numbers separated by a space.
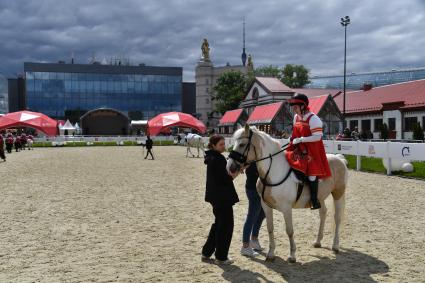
pixel 246 145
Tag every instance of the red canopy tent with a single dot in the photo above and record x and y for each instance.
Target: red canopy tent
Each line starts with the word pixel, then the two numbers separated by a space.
pixel 174 119
pixel 34 120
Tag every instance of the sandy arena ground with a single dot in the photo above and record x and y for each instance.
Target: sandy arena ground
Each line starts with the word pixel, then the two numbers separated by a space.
pixel 103 214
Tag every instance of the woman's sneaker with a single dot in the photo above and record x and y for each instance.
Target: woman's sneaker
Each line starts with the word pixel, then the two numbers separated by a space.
pixel 255 245
pixel 207 259
pixel 228 261
pixel 249 252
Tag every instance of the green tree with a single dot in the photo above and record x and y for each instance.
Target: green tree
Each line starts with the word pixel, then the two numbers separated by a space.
pixel 269 71
pixel 418 132
pixel 384 132
pixel 229 91
pixel 295 76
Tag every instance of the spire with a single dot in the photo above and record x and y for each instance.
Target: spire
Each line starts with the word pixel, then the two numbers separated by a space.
pixel 243 49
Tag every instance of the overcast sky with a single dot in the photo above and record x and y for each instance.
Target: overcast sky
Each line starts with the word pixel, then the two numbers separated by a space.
pixel 383 35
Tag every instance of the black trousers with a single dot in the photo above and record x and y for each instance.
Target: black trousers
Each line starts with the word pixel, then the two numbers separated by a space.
pixel 221 232
pixel 2 156
pixel 149 151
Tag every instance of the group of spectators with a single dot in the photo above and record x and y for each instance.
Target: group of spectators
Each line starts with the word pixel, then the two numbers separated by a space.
pixel 13 140
pixel 355 135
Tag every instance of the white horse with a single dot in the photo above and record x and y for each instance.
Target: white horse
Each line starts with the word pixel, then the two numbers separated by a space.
pixel 253 145
pixel 194 140
pixel 29 144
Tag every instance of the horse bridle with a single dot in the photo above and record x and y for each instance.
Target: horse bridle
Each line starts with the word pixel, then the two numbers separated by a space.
pixel 242 159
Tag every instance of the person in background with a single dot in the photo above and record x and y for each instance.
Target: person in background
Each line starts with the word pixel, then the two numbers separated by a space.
pixel 9 143
pixel 255 216
pixel 221 194
pixel 347 134
pixel 369 135
pixel 149 146
pixel 23 141
pixel 355 134
pixel 17 143
pixel 2 155
pixel 363 135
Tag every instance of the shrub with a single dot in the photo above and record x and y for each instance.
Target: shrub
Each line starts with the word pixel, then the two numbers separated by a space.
pixel 384 132
pixel 418 132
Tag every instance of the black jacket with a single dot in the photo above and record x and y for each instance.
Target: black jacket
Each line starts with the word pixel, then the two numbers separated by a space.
pixel 220 189
pixel 149 144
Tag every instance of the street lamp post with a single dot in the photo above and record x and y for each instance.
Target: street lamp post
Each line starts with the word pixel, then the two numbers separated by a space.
pixel 345 22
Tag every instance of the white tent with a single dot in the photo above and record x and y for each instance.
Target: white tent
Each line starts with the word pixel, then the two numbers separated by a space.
pixel 139 126
pixel 68 127
pixel 77 128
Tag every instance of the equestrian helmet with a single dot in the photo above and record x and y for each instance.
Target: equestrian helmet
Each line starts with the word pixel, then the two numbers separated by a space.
pixel 298 99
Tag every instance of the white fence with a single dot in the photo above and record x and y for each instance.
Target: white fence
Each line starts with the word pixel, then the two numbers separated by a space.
pixel 386 150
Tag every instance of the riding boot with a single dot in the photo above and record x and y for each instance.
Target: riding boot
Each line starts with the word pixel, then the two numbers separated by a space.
pixel 314 186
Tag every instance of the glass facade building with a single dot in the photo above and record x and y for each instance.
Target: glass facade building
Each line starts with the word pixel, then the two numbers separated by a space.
pixel 356 81
pixel 60 89
pixel 4 103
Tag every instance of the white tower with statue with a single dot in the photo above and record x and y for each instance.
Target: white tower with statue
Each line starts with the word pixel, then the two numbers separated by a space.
pixel 206 75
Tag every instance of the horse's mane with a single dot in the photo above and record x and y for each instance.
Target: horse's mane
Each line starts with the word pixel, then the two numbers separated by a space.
pixel 262 134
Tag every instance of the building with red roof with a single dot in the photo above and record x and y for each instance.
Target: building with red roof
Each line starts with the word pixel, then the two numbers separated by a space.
pixel 231 120
pixel 266 106
pixel 272 118
pixel 400 106
pixel 265 90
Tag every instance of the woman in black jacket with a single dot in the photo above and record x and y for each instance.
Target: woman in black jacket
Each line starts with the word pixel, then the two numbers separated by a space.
pixel 221 194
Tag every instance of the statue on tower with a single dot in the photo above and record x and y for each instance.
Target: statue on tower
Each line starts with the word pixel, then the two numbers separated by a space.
pixel 205 50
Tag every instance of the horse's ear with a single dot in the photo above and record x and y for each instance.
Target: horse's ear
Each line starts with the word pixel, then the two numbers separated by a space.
pixel 246 127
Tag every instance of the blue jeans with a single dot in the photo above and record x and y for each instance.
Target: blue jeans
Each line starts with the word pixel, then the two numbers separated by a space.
pixel 255 216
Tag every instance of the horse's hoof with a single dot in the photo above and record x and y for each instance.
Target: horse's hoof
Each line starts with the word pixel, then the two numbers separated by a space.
pixel 317 245
pixel 292 260
pixel 270 258
pixel 335 249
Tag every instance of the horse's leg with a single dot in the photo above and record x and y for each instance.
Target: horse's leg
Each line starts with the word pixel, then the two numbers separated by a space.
pixel 197 147
pixel 339 213
pixel 322 212
pixel 287 214
pixel 270 227
pixel 190 150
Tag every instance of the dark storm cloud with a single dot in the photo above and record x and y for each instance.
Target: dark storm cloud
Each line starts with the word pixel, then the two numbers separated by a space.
pixel 383 34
